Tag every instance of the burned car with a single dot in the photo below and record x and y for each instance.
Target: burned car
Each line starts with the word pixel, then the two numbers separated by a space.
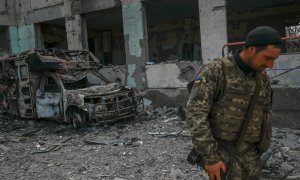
pixel 64 86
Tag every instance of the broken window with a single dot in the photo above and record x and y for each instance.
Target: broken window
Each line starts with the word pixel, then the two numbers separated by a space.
pixel 51 85
pixel 23 72
pixel 4 39
pixel 54 34
pixel 82 83
pixel 293 45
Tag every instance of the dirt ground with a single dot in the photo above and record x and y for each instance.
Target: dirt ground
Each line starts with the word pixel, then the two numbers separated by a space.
pixel 151 147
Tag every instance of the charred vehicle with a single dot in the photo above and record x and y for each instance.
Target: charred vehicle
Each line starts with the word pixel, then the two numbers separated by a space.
pixel 64 86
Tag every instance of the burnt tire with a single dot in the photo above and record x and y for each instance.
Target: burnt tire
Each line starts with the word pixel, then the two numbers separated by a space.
pixel 77 116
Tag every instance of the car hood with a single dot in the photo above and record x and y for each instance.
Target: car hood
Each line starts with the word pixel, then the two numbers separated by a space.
pixel 96 90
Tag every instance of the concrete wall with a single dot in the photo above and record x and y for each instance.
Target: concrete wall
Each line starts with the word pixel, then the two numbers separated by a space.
pixel 213 28
pixel 166 82
pixel 7 13
pixel 282 64
pixel 34 11
pixel 171 75
pixel 21 12
pixel 96 5
pixel 160 76
pixel 136 43
pixel 76 30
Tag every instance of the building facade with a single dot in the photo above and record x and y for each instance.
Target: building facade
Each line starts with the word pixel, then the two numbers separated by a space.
pixel 156 46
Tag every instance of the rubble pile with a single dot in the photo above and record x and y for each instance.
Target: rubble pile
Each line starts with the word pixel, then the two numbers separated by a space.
pixel 154 146
pixel 282 160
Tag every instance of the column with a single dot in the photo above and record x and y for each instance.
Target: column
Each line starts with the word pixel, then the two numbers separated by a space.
pixel 213 28
pixel 76 32
pixel 39 37
pixel 136 42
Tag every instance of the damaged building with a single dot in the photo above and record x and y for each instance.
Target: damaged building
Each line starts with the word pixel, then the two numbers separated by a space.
pixel 156 46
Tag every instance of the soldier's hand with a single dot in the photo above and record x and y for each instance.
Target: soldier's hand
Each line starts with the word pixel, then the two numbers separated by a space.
pixel 213 170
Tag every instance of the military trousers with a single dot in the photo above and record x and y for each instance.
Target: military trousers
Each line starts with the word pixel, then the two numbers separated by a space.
pixel 246 164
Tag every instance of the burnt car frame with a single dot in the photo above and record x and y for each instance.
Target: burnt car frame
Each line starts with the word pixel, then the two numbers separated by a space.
pixel 63 86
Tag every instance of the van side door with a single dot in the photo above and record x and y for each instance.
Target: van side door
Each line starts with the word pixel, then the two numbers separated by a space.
pixel 49 99
pixel 25 99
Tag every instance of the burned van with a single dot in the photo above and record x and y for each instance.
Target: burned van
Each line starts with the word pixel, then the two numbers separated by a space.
pixel 64 86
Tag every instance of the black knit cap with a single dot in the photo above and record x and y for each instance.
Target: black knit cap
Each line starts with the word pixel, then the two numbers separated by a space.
pixel 263 35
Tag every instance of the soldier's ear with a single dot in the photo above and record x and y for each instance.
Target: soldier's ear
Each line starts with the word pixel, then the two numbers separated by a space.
pixel 250 51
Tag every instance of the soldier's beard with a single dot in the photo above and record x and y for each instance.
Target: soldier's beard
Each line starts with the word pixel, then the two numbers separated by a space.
pixel 260 68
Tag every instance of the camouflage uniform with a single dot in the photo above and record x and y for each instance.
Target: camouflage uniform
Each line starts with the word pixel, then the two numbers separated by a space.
pixel 216 109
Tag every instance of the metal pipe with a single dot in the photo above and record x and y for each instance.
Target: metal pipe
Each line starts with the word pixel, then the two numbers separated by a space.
pixel 243 42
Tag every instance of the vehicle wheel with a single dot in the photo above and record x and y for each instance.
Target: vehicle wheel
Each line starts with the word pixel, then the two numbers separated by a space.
pixel 77 117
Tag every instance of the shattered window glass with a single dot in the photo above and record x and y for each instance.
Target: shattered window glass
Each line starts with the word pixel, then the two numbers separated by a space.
pixel 23 72
pixel 83 83
pixel 51 85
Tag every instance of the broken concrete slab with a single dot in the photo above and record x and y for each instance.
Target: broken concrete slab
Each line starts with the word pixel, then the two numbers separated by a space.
pixel 4 148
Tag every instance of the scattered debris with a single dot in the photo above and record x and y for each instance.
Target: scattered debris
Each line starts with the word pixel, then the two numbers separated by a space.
pixel 171 119
pixel 115 142
pixel 126 150
pixel 281 161
pixel 177 174
pixel 4 148
pixel 167 134
pixel 2 140
pixel 265 158
pixel 110 176
pixel 55 147
pixel 23 139
pixel 30 133
pixel 293 177
pixel 287 174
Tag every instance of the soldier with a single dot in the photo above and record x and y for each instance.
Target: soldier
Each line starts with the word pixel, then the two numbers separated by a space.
pixel 218 104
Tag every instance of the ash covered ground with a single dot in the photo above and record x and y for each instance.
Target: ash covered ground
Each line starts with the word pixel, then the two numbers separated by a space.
pixel 154 146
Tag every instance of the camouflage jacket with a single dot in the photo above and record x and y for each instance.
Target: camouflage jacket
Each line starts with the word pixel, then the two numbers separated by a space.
pixel 207 89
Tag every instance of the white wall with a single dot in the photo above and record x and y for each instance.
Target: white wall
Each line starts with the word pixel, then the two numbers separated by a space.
pixel 171 75
pixel 290 79
pixel 213 28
